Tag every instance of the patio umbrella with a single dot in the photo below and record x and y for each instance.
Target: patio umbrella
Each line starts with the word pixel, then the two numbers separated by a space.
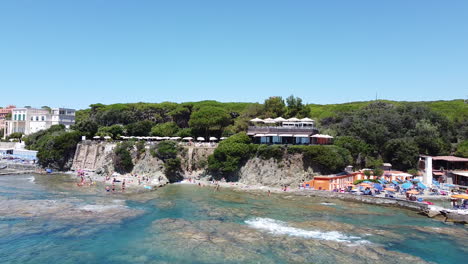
pixel 378 187
pixel 187 138
pixel 213 139
pixel 200 138
pixel 422 186
pixel 222 138
pixel 293 119
pixel 406 185
pixel 107 137
pixel 306 120
pixel 279 119
pixel 96 137
pixel 460 196
pixel 269 121
pixel 256 120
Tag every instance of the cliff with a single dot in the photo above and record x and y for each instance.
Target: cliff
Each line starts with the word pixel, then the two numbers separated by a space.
pixel 288 171
pixel 98 157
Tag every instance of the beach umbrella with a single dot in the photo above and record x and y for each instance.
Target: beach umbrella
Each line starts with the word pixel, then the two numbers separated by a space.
pixel 378 187
pixel 269 121
pixel 306 120
pixel 187 138
pixel 413 192
pixel 406 185
pixel 449 185
pixel 390 189
pixel 422 186
pixel 366 182
pixel 223 138
pixel 107 137
pixel 395 182
pixel 175 138
pixel 293 119
pixel 415 180
pixel 96 137
pixel 279 119
pixel 256 120
pixel 213 139
pixel 200 138
pixel 460 196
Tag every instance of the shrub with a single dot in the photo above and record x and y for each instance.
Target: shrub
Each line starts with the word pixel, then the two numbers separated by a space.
pixel 267 152
pixel 165 150
pixel 122 159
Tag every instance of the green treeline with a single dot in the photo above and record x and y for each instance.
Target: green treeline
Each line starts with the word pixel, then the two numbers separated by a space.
pixel 370 132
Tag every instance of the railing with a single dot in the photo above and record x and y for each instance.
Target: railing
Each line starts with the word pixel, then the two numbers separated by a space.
pixel 263 130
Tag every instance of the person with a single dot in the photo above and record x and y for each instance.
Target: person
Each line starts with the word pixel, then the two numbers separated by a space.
pixel 269 192
pixel 113 187
pixel 123 186
pixel 107 189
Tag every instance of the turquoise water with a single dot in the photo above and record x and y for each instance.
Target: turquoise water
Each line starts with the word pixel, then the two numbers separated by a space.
pixel 48 219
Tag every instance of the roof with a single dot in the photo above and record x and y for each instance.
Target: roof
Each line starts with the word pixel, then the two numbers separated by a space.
pixel 450 158
pixel 461 173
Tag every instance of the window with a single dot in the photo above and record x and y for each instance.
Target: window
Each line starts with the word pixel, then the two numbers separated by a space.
pixel 43 118
pixel 32 118
pixel 24 117
pixel 14 117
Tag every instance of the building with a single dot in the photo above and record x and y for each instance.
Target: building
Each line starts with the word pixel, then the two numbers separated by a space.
pixel 4 112
pixel 444 169
pixel 31 120
pixel 286 131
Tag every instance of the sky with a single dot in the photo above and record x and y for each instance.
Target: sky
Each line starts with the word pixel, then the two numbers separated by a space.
pixel 68 53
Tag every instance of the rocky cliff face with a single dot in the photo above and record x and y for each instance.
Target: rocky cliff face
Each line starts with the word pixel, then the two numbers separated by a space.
pixel 98 157
pixel 289 171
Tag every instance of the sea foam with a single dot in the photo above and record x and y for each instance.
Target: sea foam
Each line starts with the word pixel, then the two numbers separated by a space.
pixel 277 227
pixel 31 179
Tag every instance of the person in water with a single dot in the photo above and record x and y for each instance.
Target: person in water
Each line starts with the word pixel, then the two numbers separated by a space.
pixel 107 189
pixel 123 186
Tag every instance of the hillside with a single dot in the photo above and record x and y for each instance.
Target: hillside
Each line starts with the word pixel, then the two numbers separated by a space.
pixel 454 110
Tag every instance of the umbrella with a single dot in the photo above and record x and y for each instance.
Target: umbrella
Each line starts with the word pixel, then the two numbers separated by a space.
pixel 256 120
pixel 395 182
pixel 223 138
pixel 96 137
pixel 366 182
pixel 200 138
pixel 415 180
pixel 293 119
pixel 279 119
pixel 107 137
pixel 406 185
pixel 175 138
pixel 449 185
pixel 187 138
pixel 460 196
pixel 390 189
pixel 413 192
pixel 213 139
pixel 422 186
pixel 378 187
pixel 269 121
pixel 306 120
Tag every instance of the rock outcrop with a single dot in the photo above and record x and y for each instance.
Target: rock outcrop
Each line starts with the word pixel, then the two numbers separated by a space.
pixel 288 171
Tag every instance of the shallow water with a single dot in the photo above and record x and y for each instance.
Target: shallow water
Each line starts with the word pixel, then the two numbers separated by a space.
pixel 48 219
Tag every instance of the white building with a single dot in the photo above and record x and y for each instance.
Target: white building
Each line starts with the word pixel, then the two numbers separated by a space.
pixel 32 120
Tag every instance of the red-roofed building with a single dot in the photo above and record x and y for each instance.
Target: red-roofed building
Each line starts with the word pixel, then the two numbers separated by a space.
pixel 3 114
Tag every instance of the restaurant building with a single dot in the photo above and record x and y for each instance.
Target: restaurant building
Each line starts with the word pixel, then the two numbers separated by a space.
pixel 291 131
pixel 445 169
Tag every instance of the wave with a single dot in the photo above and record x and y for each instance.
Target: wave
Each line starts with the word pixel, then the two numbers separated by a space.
pixel 325 203
pixel 31 179
pixel 99 208
pixel 277 227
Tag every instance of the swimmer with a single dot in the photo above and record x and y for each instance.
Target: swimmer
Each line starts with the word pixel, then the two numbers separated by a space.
pixel 107 189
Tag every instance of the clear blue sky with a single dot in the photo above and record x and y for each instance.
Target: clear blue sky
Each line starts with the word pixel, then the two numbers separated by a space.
pixel 75 53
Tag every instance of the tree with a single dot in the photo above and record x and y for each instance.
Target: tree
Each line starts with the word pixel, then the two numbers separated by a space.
pixel 87 127
pixel 274 107
pixel 358 148
pixel 295 107
pixel 168 129
pixel 113 131
pixel 209 119
pixel 403 153
pixel 462 149
pixel 141 128
pixel 367 173
pixel 122 158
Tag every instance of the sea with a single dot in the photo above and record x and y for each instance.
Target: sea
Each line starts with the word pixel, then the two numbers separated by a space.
pixel 49 219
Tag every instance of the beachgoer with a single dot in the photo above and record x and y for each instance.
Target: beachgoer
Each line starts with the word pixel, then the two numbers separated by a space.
pixel 269 192
pixel 113 187
pixel 123 185
pixel 107 188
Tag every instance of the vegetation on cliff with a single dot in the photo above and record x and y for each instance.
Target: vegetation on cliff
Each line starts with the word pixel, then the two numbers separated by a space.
pixel 56 147
pixel 167 151
pixel 233 152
